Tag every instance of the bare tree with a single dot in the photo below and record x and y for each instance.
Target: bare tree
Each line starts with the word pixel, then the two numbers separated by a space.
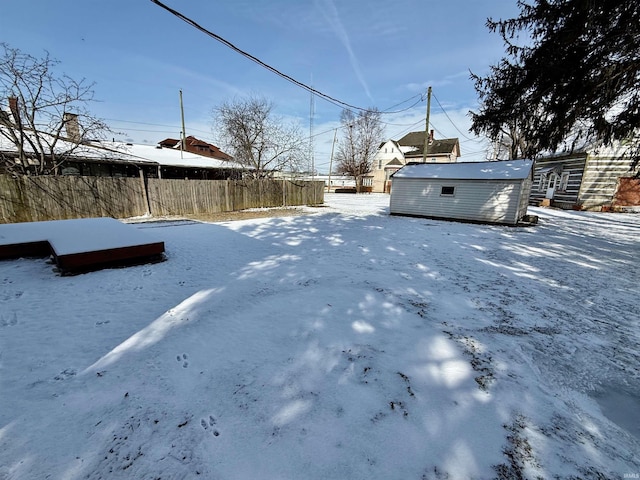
pixel 257 139
pixel 362 135
pixel 510 143
pixel 43 114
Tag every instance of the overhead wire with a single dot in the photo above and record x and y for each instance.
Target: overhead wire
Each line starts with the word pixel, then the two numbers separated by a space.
pixel 449 118
pixel 140 123
pixel 304 86
pixel 176 128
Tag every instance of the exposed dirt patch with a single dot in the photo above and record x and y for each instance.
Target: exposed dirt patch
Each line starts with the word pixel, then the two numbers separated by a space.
pixel 248 214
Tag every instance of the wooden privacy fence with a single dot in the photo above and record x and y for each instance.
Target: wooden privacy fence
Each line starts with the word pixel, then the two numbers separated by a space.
pixel 28 199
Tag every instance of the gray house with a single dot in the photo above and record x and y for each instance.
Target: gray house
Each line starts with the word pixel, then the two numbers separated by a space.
pixel 487 192
pixel 597 179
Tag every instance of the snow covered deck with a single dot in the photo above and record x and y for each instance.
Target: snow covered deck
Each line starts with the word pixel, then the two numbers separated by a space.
pixel 80 244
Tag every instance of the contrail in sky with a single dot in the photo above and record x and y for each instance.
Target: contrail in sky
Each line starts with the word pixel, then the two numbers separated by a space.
pixel 330 13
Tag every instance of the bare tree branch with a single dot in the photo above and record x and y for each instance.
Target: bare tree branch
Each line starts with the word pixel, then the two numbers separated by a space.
pixel 362 135
pixel 35 108
pixel 257 139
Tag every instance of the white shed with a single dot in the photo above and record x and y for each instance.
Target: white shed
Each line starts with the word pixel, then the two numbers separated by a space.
pixel 488 192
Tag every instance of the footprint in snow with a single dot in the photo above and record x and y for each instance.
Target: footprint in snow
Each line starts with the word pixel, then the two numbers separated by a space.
pixel 183 358
pixel 209 424
pixel 66 373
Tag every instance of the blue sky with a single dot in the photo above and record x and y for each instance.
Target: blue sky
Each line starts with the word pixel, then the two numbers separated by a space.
pixel 365 53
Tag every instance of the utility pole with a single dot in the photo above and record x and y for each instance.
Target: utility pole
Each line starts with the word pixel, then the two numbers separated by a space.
pixel 335 132
pixel 426 130
pixel 183 133
pixel 311 153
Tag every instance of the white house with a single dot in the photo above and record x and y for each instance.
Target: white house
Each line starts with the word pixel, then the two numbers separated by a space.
pixel 393 155
pixel 487 192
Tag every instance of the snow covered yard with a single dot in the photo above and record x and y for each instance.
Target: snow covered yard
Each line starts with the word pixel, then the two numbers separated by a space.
pixel 345 344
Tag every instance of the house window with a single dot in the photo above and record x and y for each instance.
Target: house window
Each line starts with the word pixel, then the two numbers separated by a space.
pixel 385 150
pixel 554 179
pixel 447 191
pixel 379 164
pixel 367 181
pixel 392 149
pixel 542 183
pixel 564 182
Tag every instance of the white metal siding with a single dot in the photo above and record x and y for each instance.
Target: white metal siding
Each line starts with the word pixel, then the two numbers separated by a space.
pixel 600 180
pixel 495 201
pixel 524 194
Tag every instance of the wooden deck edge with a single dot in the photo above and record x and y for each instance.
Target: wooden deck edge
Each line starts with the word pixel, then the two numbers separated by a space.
pixel 114 257
pixel 27 249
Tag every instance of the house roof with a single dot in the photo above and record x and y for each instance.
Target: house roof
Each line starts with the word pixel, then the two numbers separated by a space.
pixel 416 140
pixel 169 142
pixel 176 158
pixel 96 152
pixel 127 153
pixel 413 139
pixel 394 142
pixel 191 143
pixel 501 170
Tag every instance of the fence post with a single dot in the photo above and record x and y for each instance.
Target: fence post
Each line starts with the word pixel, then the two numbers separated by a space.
pixel 226 195
pixel 145 190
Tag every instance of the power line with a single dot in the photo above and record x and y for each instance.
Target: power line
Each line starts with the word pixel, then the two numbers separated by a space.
pixel 175 128
pixel 447 115
pixel 140 123
pixel 420 100
pixel 324 96
pixel 410 127
pixel 149 131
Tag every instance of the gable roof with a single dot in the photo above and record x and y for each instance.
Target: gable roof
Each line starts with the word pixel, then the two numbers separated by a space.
pixel 413 139
pixel 441 146
pixel 169 142
pixel 501 170
pixel 393 142
pixel 195 145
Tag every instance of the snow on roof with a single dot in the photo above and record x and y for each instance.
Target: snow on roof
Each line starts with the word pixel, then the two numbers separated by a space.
pixel 129 153
pixel 113 152
pixel 175 158
pixel 501 170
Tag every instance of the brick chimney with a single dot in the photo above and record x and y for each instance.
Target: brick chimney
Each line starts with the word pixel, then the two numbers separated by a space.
pixel 72 127
pixel 15 111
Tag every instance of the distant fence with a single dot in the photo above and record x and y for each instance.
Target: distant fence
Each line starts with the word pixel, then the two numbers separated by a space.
pixel 37 198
